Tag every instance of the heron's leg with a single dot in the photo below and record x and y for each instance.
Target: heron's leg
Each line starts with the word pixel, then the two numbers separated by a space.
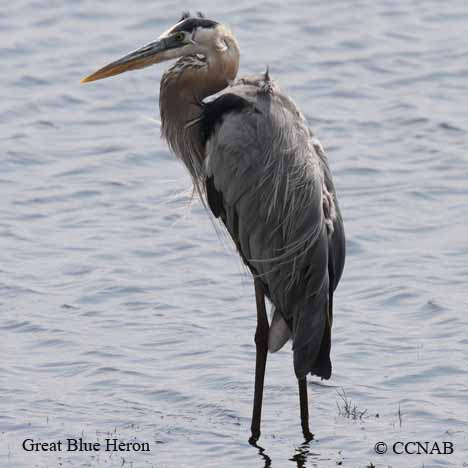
pixel 304 409
pixel 261 343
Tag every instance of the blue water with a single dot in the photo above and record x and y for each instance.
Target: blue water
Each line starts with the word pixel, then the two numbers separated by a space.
pixel 124 314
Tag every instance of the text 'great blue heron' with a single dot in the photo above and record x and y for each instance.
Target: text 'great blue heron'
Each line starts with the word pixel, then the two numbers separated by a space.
pixel 256 164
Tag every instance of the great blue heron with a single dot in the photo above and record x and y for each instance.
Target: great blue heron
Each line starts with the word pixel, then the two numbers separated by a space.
pixel 256 164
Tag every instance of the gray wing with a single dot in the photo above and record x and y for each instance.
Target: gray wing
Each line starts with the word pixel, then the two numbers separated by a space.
pixel 274 194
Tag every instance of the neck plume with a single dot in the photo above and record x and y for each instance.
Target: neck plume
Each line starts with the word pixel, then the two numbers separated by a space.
pixel 183 88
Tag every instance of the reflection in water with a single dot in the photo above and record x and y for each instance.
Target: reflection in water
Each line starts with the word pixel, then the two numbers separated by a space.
pixel 261 451
pixel 302 454
pixel 300 457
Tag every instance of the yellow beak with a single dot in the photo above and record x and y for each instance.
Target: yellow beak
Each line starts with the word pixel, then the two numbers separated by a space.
pixel 154 52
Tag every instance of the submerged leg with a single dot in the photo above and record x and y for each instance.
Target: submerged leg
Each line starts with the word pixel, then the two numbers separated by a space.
pixel 304 409
pixel 261 343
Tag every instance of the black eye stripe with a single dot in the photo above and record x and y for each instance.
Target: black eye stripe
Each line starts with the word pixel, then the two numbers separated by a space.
pixel 190 24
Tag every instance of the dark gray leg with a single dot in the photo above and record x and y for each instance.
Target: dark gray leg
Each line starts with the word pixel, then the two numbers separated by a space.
pixel 304 409
pixel 261 342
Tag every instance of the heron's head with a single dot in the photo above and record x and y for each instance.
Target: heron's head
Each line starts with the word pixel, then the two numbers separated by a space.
pixel 189 36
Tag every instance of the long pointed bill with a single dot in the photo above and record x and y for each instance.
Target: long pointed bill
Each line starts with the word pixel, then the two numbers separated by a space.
pixel 155 52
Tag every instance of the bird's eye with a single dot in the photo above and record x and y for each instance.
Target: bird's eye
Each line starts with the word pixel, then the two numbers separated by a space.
pixel 180 36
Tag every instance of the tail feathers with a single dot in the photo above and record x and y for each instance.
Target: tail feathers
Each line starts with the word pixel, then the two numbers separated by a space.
pixel 279 332
pixel 312 338
pixel 323 366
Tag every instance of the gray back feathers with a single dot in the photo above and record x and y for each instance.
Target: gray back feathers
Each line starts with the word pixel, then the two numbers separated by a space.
pixel 269 179
pixel 279 207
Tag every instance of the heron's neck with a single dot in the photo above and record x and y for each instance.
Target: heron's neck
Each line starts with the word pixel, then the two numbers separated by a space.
pixel 183 87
